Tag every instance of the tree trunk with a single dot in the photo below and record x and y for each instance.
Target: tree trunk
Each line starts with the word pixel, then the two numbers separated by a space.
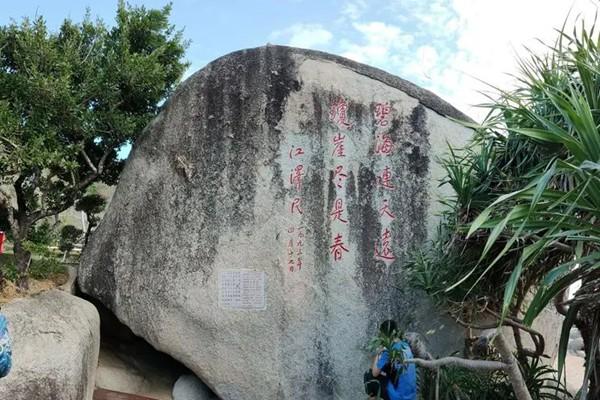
pixel 22 260
pixel 508 364
pixel 88 231
pixel 585 324
pixel 512 368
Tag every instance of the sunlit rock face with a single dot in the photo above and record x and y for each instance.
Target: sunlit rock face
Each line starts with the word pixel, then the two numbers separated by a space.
pixel 56 340
pixel 259 231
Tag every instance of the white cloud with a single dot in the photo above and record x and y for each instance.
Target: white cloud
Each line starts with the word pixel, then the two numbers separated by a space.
pixel 354 9
pixel 489 36
pixel 438 17
pixel 447 46
pixel 381 42
pixel 304 35
pixel 424 63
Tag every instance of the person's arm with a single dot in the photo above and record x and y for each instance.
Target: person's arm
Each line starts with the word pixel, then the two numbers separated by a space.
pixel 379 362
pixel 374 370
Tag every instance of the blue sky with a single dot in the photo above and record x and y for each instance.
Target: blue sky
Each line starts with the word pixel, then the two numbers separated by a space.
pixel 446 46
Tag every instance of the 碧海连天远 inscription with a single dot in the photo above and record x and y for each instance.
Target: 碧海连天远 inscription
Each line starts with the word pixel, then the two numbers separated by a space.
pixel 242 289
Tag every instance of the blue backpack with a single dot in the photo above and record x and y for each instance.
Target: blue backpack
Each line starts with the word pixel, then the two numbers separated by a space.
pixel 5 349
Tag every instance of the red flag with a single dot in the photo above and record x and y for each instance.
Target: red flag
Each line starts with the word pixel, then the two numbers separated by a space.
pixel 2 237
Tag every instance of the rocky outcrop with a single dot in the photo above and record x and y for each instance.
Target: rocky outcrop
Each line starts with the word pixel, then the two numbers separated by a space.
pixel 189 387
pixel 56 337
pixel 259 230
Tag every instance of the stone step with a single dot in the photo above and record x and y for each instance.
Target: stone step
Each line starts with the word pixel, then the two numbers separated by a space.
pixel 103 394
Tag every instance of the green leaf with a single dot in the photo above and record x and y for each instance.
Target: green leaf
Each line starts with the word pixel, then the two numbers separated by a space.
pixel 509 290
pixel 564 337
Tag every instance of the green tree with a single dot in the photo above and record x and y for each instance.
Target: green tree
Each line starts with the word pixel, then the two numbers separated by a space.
pixel 69 100
pixel 69 235
pixel 525 218
pixel 42 234
pixel 92 205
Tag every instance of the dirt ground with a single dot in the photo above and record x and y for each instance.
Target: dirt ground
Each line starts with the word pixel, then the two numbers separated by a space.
pixel 10 291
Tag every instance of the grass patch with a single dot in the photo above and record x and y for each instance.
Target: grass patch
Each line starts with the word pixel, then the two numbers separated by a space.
pixel 40 269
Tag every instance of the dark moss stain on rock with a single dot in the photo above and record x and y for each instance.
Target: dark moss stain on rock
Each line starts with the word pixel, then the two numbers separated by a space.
pixel 325 380
pixel 419 161
pixel 238 94
pixel 318 115
pixel 418 120
pixel 356 113
pixel 394 130
pixel 351 192
pixel 314 206
pixel 315 195
pixel 281 74
pixel 331 195
pixel 365 231
pixel 318 197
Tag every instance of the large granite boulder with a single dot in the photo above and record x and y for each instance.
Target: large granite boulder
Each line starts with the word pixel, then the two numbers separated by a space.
pixel 56 338
pixel 259 229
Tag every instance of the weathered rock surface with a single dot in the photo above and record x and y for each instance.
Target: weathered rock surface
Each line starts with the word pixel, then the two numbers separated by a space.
pixel 56 337
pixel 118 374
pixel 260 227
pixel 189 387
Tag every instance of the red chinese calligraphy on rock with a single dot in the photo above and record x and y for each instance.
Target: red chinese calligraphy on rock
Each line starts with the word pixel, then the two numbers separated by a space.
pixel 385 210
pixel 338 209
pixel 338 113
pixel 384 179
pixel 338 145
pixel 383 250
pixel 295 248
pixel 339 176
pixel 338 247
pixel 299 247
pixel 296 177
pixel 296 206
pixel 384 144
pixel 290 253
pixel 296 152
pixel 382 114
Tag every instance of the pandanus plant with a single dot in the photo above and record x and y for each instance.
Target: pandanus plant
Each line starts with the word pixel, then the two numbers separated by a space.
pixel 546 140
pixel 524 225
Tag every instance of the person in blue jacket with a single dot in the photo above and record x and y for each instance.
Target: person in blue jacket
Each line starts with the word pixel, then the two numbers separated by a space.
pixel 402 378
pixel 5 348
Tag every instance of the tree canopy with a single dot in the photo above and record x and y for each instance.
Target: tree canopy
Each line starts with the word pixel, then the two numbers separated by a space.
pixel 70 99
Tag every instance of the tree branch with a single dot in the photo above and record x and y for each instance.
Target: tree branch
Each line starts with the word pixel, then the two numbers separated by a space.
pixel 89 162
pixel 512 368
pixel 5 140
pixel 480 365
pixel 21 204
pixel 83 184
pixel 536 337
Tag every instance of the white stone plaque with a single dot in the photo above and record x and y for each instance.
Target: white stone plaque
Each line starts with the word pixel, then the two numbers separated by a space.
pixel 242 289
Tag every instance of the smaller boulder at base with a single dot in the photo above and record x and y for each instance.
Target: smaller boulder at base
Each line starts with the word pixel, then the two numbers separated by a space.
pixel 56 339
pixel 189 387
